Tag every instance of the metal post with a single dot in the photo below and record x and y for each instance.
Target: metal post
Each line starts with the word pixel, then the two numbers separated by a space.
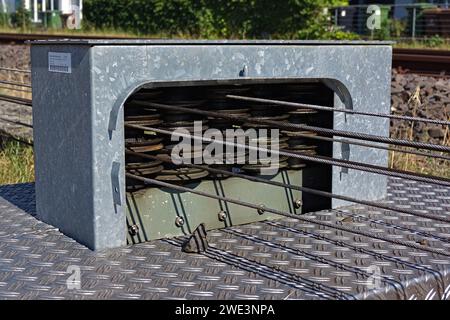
pixel 35 11
pixel 52 5
pixel 414 23
pixel 336 16
pixel 81 9
pixel 44 5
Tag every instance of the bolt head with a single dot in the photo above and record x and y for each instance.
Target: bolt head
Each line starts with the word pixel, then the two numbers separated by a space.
pixel 179 221
pixel 133 230
pixel 222 215
pixel 262 209
pixel 298 204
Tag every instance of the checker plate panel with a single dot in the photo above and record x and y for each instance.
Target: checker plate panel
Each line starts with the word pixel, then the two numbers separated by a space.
pixel 281 259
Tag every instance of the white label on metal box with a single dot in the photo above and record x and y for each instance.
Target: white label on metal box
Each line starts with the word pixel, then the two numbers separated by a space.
pixel 60 62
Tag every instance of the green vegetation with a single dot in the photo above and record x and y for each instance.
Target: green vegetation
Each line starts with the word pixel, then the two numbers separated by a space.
pixel 418 164
pixel 435 42
pixel 239 19
pixel 21 18
pixel 16 162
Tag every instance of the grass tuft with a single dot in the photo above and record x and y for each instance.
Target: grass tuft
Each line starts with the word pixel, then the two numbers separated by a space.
pixel 16 162
pixel 419 164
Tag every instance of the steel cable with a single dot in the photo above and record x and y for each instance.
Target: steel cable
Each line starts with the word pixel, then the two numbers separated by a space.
pixel 289 186
pixel 349 111
pixel 292 126
pixel 318 159
pixel 376 146
pixel 263 208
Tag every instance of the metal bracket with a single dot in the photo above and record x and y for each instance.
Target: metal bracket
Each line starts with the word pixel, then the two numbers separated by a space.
pixel 342 92
pixel 197 242
pixel 115 182
pixel 345 154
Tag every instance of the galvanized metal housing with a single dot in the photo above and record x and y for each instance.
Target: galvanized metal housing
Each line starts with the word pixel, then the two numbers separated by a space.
pixel 78 96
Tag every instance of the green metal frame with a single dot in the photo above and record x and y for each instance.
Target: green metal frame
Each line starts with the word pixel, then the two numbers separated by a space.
pixel 154 210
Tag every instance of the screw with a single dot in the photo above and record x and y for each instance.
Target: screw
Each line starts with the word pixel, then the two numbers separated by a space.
pixel 262 209
pixel 179 221
pixel 222 215
pixel 133 230
pixel 298 204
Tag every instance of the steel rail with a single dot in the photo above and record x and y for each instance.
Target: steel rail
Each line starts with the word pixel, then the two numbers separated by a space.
pixel 19 123
pixel 319 159
pixel 19 84
pixel 23 101
pixel 376 146
pixel 324 108
pixel 429 62
pixel 293 187
pixel 15 89
pixel 15 70
pixel 18 139
pixel 292 126
pixel 262 208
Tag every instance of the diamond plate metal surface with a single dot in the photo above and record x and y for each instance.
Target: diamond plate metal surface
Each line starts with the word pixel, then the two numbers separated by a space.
pixel 282 259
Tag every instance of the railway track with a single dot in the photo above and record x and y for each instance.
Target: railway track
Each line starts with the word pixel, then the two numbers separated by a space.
pixel 427 62
pixel 422 61
pixel 20 38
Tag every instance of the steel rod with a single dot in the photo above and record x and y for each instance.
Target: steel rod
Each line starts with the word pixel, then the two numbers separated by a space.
pixel 292 126
pixel 290 186
pixel 319 159
pixel 349 111
pixel 263 208
pixel 376 146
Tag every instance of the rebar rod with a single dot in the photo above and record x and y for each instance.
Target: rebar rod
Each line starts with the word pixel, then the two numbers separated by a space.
pixel 349 111
pixel 319 159
pixel 292 126
pixel 290 186
pixel 263 208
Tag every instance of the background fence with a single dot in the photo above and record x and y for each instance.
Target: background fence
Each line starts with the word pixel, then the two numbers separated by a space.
pixel 396 21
